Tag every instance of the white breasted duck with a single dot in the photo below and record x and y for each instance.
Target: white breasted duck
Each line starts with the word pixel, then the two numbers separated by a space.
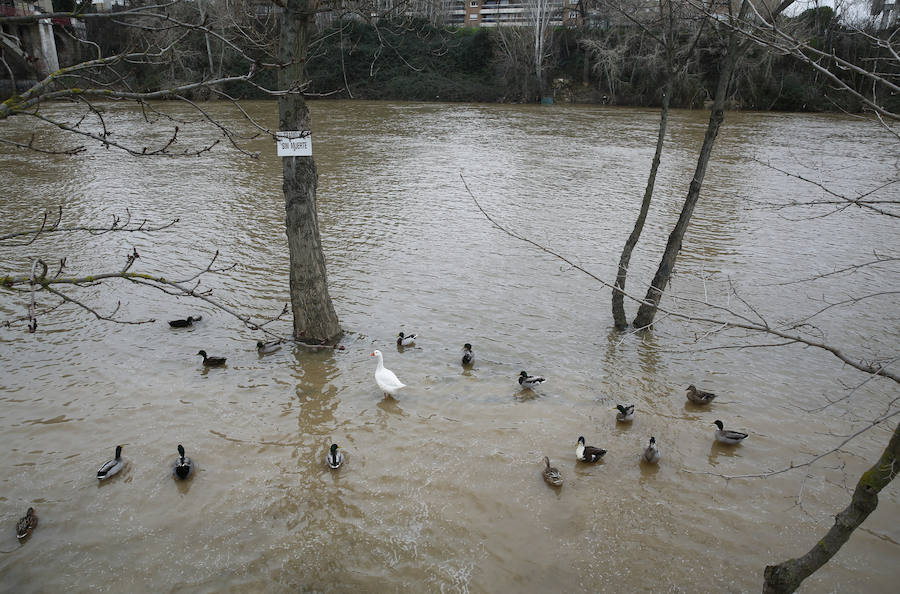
pixel 26 525
pixel 699 396
pixel 183 465
pixel 335 457
pixel 189 321
pixel 530 381
pixel 111 467
pixel 585 453
pixel 211 361
pixel 727 435
pixel 625 414
pixel 384 377
pixel 264 348
pixel 651 452
pixel 406 340
pixel 468 356
pixel 551 474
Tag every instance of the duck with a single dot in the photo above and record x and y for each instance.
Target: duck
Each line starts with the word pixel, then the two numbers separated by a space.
pixel 111 467
pixel 468 356
pixel 699 396
pixel 585 453
pixel 625 414
pixel 551 474
pixel 727 435
pixel 264 348
pixel 189 321
pixel 406 340
pixel 335 457
pixel 211 361
pixel 26 525
pixel 384 377
pixel 183 465
pixel 651 452
pixel 530 381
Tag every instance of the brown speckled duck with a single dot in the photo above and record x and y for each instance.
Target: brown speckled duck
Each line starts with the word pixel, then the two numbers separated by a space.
pixel 26 525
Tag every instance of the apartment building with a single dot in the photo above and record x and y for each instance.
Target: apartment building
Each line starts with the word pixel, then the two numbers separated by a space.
pixel 496 13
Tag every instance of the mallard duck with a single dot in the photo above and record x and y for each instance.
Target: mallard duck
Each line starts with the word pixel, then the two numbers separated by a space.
pixel 406 340
pixel 551 474
pixel 530 381
pixel 335 457
pixel 651 452
pixel 585 453
pixel 699 396
pixel 183 465
pixel 727 435
pixel 625 414
pixel 111 467
pixel 189 321
pixel 468 356
pixel 211 361
pixel 26 525
pixel 264 348
pixel 385 378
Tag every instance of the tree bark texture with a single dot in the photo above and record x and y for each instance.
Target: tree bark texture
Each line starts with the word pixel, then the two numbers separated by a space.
pixel 787 576
pixel 618 296
pixel 314 315
pixel 647 310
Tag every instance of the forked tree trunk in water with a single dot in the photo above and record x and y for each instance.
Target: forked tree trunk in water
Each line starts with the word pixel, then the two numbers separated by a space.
pixel 314 315
pixel 618 297
pixel 647 311
pixel 787 576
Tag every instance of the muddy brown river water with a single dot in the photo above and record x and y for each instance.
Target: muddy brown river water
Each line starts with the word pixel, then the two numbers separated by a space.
pixel 442 489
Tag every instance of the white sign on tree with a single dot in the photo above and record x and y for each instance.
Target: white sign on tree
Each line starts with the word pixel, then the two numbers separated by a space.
pixel 294 143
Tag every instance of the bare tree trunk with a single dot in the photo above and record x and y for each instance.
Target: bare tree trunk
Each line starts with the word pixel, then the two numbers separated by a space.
pixel 314 315
pixel 208 46
pixel 618 296
pixel 787 576
pixel 647 310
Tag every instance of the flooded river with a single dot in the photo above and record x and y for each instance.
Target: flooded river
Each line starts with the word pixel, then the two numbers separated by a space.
pixel 442 488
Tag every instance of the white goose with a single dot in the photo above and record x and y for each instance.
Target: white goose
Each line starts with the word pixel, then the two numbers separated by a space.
pixel 385 378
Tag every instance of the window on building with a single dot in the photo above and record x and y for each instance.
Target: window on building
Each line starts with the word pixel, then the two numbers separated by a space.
pixel 474 3
pixel 473 17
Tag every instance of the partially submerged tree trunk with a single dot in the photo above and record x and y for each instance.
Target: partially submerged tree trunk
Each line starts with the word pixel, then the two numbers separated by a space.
pixel 314 315
pixel 647 310
pixel 618 296
pixel 787 576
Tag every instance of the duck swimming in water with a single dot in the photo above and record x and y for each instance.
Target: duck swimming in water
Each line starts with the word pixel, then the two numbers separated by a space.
pixel 551 474
pixel 699 396
pixel 211 361
pixel 530 381
pixel 26 525
pixel 111 467
pixel 406 340
pixel 468 356
pixel 183 465
pixel 651 452
pixel 335 457
pixel 264 348
pixel 585 453
pixel 625 414
pixel 189 321
pixel 727 435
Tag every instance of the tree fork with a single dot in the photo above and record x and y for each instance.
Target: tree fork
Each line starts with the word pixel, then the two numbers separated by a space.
pixel 314 315
pixel 647 310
